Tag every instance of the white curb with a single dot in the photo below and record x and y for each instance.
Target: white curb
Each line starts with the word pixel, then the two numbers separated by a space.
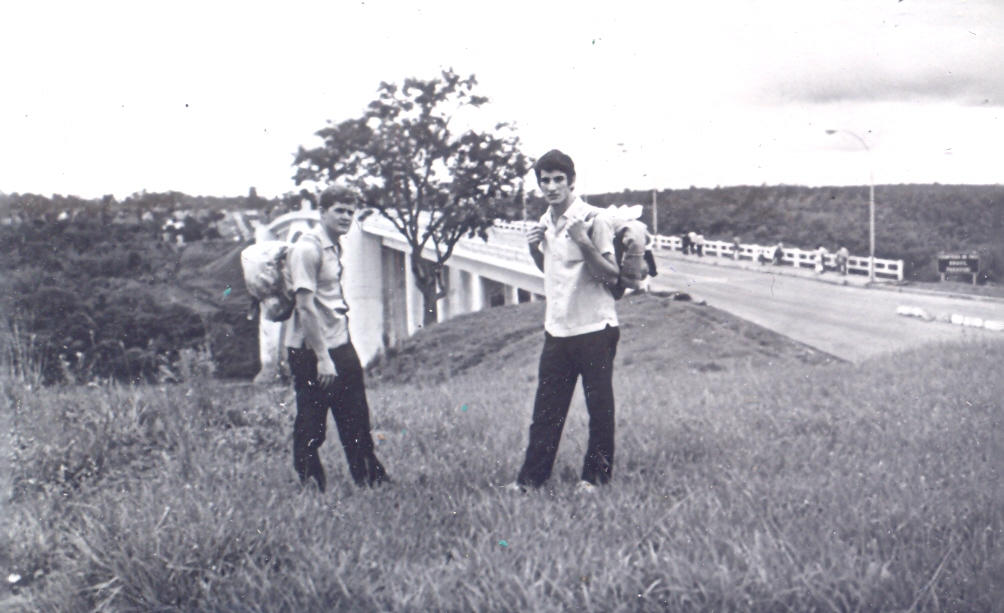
pixel 955 318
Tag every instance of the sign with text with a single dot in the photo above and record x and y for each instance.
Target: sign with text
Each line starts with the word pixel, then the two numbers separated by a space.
pixel 954 263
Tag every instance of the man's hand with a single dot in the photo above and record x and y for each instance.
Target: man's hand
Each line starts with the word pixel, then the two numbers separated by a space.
pixel 534 235
pixel 577 232
pixel 326 373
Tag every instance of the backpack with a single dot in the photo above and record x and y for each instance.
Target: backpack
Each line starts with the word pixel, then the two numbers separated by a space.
pixel 631 247
pixel 268 280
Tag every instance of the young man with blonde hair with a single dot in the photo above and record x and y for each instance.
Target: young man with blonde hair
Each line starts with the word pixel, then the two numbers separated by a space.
pixel 327 374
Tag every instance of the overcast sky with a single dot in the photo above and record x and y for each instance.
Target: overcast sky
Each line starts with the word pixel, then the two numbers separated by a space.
pixel 212 98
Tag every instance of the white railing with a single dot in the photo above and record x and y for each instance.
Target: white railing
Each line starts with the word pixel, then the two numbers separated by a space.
pixel 503 252
pixel 798 258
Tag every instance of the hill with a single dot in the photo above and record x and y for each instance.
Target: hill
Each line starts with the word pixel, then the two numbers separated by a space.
pixel 657 332
pixel 913 222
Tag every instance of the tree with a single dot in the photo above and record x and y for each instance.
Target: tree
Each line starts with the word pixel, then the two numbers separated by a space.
pixel 433 185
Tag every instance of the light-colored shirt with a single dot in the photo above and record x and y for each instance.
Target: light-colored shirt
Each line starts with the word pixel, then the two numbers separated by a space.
pixel 313 264
pixel 577 303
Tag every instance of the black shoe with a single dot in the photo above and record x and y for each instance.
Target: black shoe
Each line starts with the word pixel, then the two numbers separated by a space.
pixel 316 471
pixel 376 474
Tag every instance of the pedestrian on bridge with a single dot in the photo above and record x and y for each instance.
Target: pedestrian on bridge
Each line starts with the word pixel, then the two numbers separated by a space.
pixel 821 254
pixel 699 244
pixel 841 259
pixel 779 254
pixel 580 327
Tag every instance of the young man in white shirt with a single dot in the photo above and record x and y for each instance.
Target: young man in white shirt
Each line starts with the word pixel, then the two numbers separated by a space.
pixel 327 374
pixel 580 328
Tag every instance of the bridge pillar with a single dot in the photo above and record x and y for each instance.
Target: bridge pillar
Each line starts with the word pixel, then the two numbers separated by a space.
pixel 511 294
pixel 269 351
pixel 395 304
pixel 362 282
pixel 413 299
pixel 457 301
pixel 472 292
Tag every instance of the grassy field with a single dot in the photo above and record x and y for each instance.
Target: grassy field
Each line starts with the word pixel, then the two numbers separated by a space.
pixel 752 474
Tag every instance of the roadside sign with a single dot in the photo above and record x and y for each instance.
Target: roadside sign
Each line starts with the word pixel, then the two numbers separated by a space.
pixel 959 263
pixel 953 263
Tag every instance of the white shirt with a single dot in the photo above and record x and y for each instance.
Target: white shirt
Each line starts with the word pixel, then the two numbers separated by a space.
pixel 576 302
pixel 320 271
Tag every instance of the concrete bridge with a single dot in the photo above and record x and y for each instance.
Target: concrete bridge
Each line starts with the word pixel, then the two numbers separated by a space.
pixel 385 304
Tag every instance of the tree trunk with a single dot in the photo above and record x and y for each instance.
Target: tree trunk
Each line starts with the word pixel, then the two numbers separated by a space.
pixel 427 280
pixel 430 310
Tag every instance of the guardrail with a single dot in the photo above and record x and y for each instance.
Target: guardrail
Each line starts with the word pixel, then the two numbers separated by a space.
pixel 798 258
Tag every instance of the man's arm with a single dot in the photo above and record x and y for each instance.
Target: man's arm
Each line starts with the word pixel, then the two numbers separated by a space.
pixel 304 261
pixel 533 238
pixel 602 266
pixel 311 322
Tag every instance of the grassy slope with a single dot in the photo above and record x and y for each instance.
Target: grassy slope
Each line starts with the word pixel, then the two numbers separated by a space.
pixel 762 483
pixel 653 329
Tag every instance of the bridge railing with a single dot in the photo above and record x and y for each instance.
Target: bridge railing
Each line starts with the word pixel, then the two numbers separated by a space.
pixel 793 256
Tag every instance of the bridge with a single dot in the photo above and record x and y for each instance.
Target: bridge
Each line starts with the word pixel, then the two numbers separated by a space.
pixel 386 306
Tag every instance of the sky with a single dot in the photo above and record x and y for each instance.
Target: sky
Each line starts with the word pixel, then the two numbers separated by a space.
pixel 215 97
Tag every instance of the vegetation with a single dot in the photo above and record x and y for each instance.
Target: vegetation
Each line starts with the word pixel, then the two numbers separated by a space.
pixel 913 222
pixel 99 295
pixel 752 474
pixel 435 186
pixel 96 293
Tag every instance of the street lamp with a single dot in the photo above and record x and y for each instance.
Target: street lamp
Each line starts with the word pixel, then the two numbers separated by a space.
pixel 655 211
pixel 871 203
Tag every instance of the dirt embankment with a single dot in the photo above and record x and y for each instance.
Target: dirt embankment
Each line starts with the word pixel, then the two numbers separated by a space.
pixel 656 332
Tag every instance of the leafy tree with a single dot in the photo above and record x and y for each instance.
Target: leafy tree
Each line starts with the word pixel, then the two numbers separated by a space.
pixel 433 185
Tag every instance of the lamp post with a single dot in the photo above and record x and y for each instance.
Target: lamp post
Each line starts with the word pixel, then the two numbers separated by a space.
pixel 655 210
pixel 871 203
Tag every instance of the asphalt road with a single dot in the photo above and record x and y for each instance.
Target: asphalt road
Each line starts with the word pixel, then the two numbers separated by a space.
pixel 852 323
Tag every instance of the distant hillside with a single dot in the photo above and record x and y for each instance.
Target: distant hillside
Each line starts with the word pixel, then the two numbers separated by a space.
pixel 912 222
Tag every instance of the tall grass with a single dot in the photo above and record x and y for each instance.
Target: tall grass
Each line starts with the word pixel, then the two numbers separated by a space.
pixel 781 487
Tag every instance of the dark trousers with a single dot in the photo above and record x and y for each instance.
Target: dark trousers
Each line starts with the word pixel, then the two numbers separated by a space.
pixel 561 362
pixel 346 399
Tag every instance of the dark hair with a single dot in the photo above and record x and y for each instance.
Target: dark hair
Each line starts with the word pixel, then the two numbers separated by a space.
pixel 336 193
pixel 555 160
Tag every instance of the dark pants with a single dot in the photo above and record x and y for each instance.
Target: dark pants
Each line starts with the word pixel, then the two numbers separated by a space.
pixel 561 362
pixel 346 398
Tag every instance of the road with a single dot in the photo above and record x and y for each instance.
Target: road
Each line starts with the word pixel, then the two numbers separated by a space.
pixel 850 322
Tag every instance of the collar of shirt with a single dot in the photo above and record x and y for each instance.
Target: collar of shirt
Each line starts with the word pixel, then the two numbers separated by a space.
pixel 576 210
pixel 324 239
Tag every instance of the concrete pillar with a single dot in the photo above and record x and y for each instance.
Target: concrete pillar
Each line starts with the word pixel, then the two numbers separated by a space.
pixel 395 303
pixel 477 293
pixel 469 297
pixel 445 306
pixel 269 346
pixel 362 284
pixel 414 299
pixel 511 295
pixel 456 290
